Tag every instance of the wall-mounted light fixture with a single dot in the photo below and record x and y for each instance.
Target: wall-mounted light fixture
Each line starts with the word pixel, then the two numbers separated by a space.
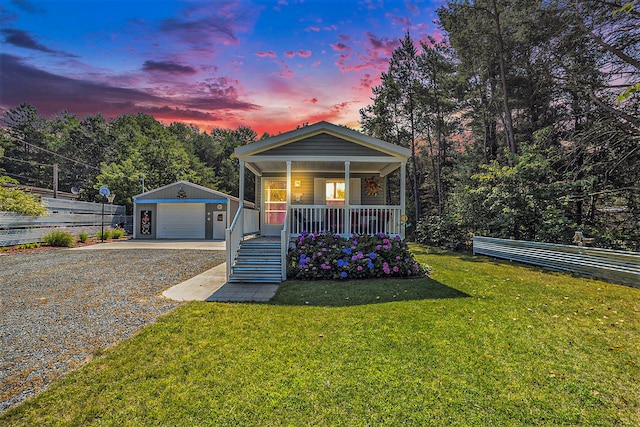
pixel 296 184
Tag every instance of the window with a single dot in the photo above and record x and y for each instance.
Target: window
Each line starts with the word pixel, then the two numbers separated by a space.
pixel 334 192
pixel 275 201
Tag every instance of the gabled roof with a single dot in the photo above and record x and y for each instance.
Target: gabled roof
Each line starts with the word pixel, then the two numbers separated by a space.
pixel 346 134
pixel 215 193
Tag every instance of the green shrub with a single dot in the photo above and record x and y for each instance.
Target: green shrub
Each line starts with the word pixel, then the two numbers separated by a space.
pixel 58 238
pixel 105 236
pixel 83 237
pixel 117 233
pixel 28 246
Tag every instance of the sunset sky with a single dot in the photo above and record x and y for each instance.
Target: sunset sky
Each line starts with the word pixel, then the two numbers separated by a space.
pixel 269 65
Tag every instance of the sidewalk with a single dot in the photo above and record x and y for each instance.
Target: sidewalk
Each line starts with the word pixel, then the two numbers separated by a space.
pixel 210 286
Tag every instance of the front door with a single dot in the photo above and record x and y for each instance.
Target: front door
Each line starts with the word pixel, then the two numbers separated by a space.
pixel 274 206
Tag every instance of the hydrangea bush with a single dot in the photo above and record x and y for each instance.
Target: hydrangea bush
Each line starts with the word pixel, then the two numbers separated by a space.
pixel 361 256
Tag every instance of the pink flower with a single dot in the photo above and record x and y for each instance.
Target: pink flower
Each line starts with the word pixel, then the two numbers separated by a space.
pixel 395 269
pixel 359 268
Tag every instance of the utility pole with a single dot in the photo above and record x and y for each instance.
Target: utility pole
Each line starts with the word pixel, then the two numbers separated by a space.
pixel 55 180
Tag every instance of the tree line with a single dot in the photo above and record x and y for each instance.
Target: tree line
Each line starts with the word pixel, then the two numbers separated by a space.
pixel 125 154
pixel 523 123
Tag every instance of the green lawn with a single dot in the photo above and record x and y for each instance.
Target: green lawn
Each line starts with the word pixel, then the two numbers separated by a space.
pixel 482 342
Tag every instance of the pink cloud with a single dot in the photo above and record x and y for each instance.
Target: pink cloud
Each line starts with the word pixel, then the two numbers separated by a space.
pixel 366 81
pixel 286 72
pixel 383 45
pixel 304 53
pixel 316 63
pixel 413 8
pixel 312 100
pixel 376 55
pixel 314 28
pixel 289 54
pixel 402 21
pixel 269 54
pixel 339 46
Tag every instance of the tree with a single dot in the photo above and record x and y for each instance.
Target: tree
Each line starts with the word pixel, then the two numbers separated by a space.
pixel 17 201
pixel 397 112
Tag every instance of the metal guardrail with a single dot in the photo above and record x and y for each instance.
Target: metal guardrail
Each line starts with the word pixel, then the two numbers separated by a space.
pixel 611 265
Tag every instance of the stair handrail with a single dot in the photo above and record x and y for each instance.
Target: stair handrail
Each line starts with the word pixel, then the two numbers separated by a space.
pixel 233 236
pixel 284 246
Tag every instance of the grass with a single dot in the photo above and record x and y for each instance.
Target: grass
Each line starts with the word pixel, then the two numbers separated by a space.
pixel 482 342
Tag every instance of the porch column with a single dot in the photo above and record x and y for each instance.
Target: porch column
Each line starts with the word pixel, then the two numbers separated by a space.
pixel 241 196
pixel 347 196
pixel 403 185
pixel 288 184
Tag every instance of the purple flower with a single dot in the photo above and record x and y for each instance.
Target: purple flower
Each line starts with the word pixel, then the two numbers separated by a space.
pixel 373 255
pixel 398 257
pixel 395 269
pixel 360 256
pixel 359 268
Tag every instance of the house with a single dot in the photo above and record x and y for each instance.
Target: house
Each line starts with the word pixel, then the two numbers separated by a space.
pixel 183 210
pixel 319 178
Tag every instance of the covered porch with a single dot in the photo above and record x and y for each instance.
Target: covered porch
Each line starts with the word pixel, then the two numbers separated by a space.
pixel 320 178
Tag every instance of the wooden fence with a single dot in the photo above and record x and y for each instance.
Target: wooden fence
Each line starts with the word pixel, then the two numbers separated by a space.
pixel 71 216
pixel 615 266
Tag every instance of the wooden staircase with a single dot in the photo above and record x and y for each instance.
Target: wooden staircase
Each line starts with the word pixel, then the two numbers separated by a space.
pixel 258 261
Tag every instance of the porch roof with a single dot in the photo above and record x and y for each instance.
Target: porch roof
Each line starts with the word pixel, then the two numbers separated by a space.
pixel 323 147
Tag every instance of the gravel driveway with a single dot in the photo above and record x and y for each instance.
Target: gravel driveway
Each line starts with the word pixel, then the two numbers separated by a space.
pixel 58 307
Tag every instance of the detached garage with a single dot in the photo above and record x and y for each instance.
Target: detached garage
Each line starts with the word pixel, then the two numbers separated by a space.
pixel 183 210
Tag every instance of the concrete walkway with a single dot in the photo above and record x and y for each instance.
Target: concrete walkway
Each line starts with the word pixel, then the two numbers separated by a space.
pixel 201 245
pixel 208 286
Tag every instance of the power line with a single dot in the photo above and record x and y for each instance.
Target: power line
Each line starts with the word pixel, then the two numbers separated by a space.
pixel 55 154
pixel 31 162
pixel 28 178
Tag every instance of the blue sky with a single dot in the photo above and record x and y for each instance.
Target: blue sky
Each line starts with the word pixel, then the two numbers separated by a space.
pixel 268 65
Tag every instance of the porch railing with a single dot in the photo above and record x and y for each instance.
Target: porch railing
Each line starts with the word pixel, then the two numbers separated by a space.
pixel 361 219
pixel 246 221
pixel 284 242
